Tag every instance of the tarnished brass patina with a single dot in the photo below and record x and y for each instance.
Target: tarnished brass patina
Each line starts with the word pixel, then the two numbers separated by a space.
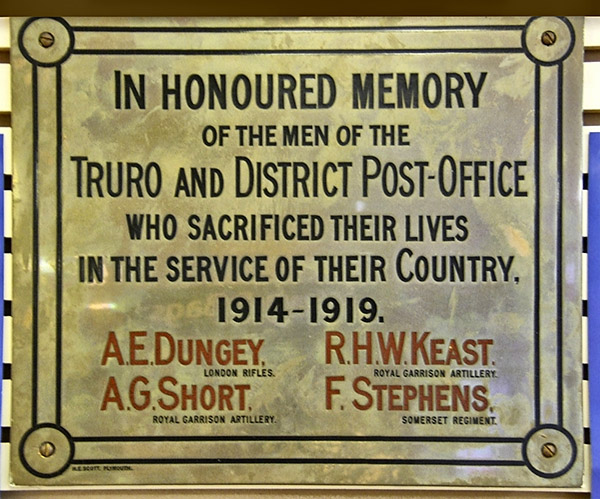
pixel 297 252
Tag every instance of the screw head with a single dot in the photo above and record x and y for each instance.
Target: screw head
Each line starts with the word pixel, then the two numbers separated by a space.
pixel 549 450
pixel 47 449
pixel 46 39
pixel 548 38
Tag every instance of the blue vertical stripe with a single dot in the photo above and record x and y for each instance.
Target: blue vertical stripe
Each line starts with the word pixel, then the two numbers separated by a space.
pixel 2 262
pixel 594 301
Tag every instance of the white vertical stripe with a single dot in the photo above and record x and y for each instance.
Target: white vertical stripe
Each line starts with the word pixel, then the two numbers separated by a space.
pixel 591 32
pixel 586 405
pixel 6 397
pixel 7 132
pixel 5 88
pixel 584 287
pixel 591 86
pixel 7 213
pixel 4 468
pixel 4 33
pixel 8 277
pixel 584 340
pixel 584 212
pixel 7 341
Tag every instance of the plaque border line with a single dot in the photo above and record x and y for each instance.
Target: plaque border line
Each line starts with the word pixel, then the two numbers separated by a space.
pixel 559 241
pixel 59 249
pixel 299 460
pixel 59 283
pixel 35 250
pixel 536 264
pixel 490 50
pixel 249 29
pixel 297 438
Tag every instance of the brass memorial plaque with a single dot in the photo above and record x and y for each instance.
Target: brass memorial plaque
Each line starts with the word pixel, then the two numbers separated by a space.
pixel 297 251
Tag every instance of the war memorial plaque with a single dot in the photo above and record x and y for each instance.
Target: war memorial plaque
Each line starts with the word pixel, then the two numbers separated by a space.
pixel 297 251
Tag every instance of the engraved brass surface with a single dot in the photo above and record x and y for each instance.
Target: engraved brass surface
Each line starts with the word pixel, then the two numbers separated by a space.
pixel 297 252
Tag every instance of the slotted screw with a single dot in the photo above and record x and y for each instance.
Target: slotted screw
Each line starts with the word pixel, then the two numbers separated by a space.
pixel 46 39
pixel 549 450
pixel 548 38
pixel 47 449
